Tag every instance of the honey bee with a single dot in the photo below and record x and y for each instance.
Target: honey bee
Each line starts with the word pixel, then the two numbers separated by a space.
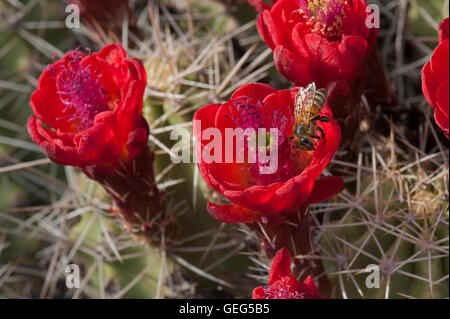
pixel 308 104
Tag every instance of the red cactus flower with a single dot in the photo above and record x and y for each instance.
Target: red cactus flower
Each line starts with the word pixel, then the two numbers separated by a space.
pixel 318 41
pixel 435 79
pixel 92 108
pixel 255 193
pixel 283 285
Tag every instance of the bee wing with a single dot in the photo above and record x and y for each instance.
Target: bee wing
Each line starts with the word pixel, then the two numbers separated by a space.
pixel 298 105
pixel 304 101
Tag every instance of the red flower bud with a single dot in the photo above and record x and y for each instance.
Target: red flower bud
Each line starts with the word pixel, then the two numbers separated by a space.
pixel 283 285
pixel 92 106
pixel 435 79
pixel 323 42
pixel 293 182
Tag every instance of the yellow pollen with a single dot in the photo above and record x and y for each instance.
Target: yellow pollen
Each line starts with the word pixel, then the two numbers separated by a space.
pixel 324 17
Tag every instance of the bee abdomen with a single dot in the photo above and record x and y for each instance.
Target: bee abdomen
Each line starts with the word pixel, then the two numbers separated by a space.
pixel 319 100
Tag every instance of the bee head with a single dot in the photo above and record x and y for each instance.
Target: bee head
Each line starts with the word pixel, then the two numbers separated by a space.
pixel 306 144
pixel 299 130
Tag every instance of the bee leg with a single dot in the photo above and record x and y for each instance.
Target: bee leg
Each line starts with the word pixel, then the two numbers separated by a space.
pixel 318 138
pixel 322 133
pixel 322 119
pixel 315 118
pixel 326 120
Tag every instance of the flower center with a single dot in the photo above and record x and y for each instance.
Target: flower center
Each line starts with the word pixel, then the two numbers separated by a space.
pixel 281 290
pixel 324 17
pixel 82 94
pixel 250 116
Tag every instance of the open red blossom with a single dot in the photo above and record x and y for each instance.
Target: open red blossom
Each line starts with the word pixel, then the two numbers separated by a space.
pixel 92 109
pixel 283 285
pixel 255 193
pixel 435 79
pixel 326 41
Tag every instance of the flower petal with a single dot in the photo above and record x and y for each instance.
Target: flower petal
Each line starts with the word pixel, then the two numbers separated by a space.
pixel 113 53
pixel 258 293
pixel 51 145
pixel 254 91
pixel 47 106
pixel 441 114
pixel 309 289
pixel 97 144
pixel 353 50
pixel 444 30
pixel 325 188
pixel 268 30
pixel 291 66
pixel 232 213
pixel 440 62
pixel 281 266
pixel 429 85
